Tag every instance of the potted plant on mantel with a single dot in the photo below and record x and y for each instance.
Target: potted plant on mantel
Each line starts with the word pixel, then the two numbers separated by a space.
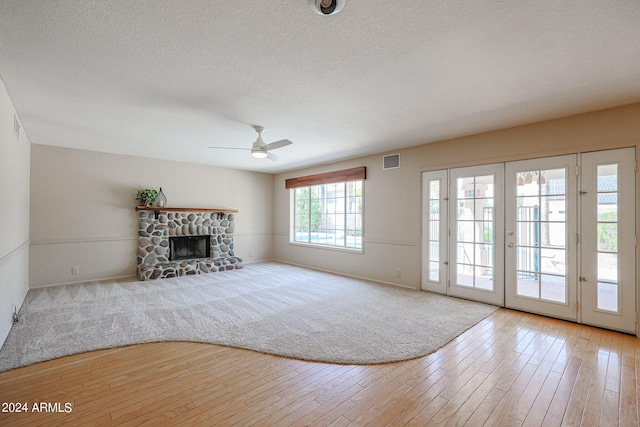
pixel 147 197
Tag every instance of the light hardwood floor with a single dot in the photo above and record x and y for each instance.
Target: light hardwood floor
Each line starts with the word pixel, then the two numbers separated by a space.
pixel 510 369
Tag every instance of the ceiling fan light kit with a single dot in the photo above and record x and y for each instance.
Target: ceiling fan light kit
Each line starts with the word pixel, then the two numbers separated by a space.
pixel 258 153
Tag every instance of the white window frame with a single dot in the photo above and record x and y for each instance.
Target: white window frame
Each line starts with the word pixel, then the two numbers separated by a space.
pixel 325 245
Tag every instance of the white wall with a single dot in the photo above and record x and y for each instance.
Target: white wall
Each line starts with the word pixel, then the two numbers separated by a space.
pixel 83 209
pixel 14 214
pixel 392 198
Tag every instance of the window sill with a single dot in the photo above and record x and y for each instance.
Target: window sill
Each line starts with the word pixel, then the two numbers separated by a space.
pixel 327 247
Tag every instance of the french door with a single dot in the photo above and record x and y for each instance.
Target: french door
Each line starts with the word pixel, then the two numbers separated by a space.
pixel 541 236
pixel 475 249
pixel 553 236
pixel 434 231
pixel 608 270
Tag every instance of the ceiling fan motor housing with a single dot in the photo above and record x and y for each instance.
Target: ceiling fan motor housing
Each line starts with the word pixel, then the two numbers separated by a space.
pixel 259 148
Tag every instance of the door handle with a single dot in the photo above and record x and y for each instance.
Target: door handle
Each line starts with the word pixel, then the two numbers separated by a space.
pixel 510 244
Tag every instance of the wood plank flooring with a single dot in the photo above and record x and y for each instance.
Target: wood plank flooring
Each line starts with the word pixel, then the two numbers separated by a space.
pixel 512 369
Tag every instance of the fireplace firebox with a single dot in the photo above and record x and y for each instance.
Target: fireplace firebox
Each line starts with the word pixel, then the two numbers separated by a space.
pixel 189 247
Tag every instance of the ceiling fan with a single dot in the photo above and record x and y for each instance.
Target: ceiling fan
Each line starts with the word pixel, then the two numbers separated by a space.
pixel 260 150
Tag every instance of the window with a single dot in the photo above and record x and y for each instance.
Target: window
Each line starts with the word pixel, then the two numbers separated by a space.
pixel 327 208
pixel 328 214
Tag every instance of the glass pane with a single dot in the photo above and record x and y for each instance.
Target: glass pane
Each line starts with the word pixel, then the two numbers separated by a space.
pixel 434 230
pixel 608 266
pixel 526 183
pixel 607 297
pixel 351 224
pixel 484 278
pixel 528 201
pixel 314 191
pixel 528 285
pixel 528 259
pixel 484 186
pixel 607 212
pixel 302 237
pixel 465 209
pixel 553 234
pixel 528 208
pixel 552 208
pixel 434 251
pixel 434 209
pixel 607 178
pixel 553 288
pixel 466 231
pixel 466 187
pixel 527 233
pixel 434 189
pixel 484 255
pixel 350 189
pixel 465 275
pixel 608 237
pixel 354 195
pixel 465 253
pixel 555 181
pixel 484 209
pixel 487 232
pixel 434 271
pixel 553 261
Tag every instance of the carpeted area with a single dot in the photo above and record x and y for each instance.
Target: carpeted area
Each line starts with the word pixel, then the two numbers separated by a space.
pixel 268 307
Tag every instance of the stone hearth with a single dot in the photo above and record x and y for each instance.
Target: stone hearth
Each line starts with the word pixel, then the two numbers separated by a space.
pixel 155 228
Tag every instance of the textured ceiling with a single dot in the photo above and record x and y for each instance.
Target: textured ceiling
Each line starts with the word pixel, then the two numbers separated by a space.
pixel 167 79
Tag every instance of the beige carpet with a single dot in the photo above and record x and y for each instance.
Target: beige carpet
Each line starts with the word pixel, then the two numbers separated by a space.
pixel 268 307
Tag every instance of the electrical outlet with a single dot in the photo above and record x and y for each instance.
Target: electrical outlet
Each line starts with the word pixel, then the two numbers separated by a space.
pixel 75 270
pixel 398 273
pixel 250 254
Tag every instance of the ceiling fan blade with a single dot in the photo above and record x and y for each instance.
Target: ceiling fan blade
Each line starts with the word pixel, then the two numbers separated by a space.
pixel 272 157
pixel 230 148
pixel 279 144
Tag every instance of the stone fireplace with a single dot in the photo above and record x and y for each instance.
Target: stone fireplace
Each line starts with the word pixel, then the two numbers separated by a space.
pixel 178 241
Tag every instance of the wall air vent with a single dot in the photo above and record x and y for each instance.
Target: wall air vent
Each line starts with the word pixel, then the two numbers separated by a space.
pixel 391 162
pixel 16 126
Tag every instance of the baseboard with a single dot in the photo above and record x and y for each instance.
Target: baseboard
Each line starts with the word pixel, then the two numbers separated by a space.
pixel 104 279
pixel 353 276
pixel 133 276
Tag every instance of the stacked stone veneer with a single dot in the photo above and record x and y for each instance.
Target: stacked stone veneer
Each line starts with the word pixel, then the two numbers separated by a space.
pixel 153 243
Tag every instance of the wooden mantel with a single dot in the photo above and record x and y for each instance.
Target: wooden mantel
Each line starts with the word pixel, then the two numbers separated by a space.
pixel 170 209
pixel 157 209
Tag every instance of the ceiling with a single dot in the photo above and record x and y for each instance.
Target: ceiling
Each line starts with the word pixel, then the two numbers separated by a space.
pixel 166 79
